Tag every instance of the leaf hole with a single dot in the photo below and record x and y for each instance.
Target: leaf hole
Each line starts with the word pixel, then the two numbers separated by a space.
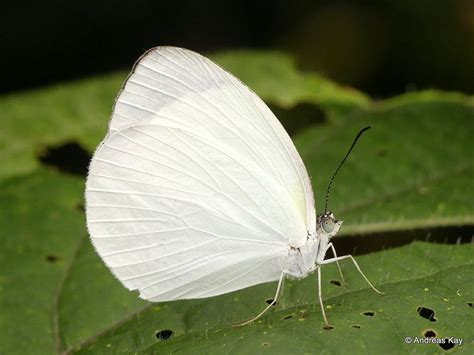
pixel 427 313
pixel 51 258
pixel 289 316
pixel 69 157
pixel 430 333
pixel 356 326
pixel 335 282
pixel 270 301
pixel 328 327
pixel 469 304
pixel 446 345
pixel 164 334
pixel 369 313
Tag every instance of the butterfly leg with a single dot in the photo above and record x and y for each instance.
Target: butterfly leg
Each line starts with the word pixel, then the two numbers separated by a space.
pixel 277 294
pixel 336 259
pixel 321 297
pixel 337 262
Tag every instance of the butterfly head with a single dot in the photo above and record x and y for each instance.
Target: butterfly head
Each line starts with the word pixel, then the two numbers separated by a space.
pixel 328 225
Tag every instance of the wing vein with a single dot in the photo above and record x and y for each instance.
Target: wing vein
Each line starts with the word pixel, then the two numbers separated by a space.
pixel 146 183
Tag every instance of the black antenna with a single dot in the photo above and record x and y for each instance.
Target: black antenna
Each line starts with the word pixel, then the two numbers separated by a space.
pixel 342 163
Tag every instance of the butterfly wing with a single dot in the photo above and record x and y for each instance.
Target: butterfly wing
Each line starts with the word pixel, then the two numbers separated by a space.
pixel 182 89
pixel 176 215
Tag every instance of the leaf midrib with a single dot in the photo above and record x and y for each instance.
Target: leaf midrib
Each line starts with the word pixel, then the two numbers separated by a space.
pixel 58 293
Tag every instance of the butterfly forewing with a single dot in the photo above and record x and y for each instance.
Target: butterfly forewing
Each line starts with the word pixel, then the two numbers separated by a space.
pixel 182 89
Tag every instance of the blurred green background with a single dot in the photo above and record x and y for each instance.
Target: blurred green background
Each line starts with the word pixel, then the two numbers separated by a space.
pixel 326 69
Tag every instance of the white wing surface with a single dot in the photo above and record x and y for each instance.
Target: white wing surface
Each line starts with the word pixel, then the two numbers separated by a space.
pixel 179 88
pixel 177 215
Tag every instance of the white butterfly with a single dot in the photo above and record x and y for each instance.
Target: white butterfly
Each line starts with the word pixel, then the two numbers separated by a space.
pixel 197 190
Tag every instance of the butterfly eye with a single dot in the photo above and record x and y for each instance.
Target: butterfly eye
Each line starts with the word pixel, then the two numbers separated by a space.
pixel 328 225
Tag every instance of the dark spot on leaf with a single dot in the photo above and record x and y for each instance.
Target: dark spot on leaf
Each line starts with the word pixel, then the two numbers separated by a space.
pixel 469 304
pixel 80 207
pixel 328 327
pixel 382 152
pixel 164 334
pixel 430 333
pixel 69 158
pixel 335 282
pixel 427 313
pixel 299 117
pixel 357 326
pixel 447 345
pixel 265 344
pixel 270 300
pixel 51 258
pixel 369 313
pixel 288 316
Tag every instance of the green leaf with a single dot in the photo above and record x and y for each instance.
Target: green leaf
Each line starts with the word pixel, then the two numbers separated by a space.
pixel 42 229
pixel 436 277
